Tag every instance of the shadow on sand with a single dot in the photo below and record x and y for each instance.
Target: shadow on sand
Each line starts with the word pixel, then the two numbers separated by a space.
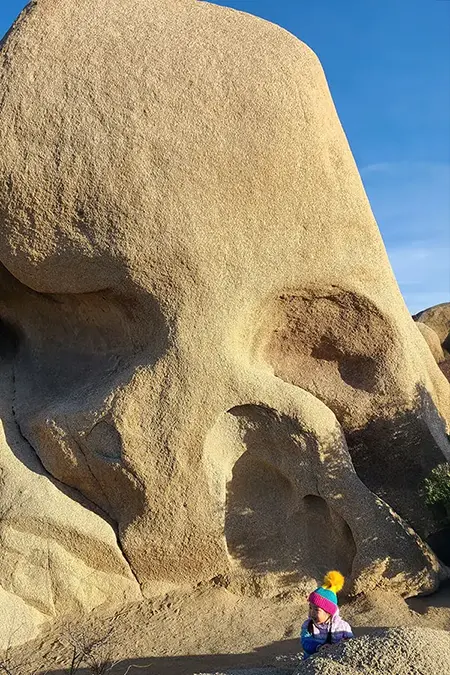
pixel 284 656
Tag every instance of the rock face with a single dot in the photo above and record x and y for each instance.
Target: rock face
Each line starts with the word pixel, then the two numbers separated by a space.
pixel 406 651
pixel 205 352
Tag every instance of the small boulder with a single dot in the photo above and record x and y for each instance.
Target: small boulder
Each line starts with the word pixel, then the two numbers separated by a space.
pixel 403 651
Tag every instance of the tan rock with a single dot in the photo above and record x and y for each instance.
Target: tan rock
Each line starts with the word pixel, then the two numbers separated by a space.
pixel 438 319
pixel 432 340
pixel 207 342
pixel 58 553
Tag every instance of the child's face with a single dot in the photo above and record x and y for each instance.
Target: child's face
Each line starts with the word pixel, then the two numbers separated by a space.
pixel 317 614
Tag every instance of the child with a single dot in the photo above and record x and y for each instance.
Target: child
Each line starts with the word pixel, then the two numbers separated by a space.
pixel 324 625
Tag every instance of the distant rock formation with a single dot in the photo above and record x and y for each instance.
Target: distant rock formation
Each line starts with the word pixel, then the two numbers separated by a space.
pixel 434 324
pixel 208 369
pixel 438 319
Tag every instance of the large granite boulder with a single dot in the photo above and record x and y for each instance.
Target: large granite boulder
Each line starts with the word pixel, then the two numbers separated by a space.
pixel 208 369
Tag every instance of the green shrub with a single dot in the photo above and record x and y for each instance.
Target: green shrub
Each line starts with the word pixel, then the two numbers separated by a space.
pixel 436 491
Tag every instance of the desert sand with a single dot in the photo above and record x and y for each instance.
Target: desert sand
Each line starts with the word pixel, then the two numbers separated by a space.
pixel 211 630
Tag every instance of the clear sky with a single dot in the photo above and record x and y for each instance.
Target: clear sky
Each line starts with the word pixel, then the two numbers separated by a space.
pixel 388 67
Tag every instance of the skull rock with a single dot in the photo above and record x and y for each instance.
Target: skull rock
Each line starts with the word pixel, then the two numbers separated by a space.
pixel 208 347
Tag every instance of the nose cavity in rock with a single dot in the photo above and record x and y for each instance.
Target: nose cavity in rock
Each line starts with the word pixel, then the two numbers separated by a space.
pixel 275 523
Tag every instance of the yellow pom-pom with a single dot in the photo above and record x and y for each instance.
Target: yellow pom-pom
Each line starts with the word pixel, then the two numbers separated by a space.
pixel 334 581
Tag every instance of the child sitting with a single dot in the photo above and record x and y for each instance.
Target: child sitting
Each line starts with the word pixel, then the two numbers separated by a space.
pixel 324 626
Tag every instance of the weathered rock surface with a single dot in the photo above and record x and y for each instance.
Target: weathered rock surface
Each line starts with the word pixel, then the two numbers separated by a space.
pixel 206 351
pixel 58 553
pixel 403 651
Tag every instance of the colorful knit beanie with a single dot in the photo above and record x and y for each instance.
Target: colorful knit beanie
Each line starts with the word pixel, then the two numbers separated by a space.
pixel 325 596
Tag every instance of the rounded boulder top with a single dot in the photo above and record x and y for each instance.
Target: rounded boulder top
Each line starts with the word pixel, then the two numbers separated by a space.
pixel 406 651
pixel 138 127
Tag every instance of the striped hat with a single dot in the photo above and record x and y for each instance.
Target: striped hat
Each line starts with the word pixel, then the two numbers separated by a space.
pixel 325 597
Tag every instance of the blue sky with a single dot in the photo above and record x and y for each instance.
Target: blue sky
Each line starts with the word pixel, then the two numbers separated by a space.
pixel 388 67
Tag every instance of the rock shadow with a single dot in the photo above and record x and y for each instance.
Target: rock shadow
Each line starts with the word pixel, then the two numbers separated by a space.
pixel 392 457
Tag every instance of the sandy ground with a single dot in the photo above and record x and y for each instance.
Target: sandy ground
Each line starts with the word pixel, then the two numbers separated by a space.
pixel 210 630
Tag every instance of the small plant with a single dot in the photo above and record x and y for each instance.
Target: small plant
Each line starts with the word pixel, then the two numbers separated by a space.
pixel 86 650
pixel 436 492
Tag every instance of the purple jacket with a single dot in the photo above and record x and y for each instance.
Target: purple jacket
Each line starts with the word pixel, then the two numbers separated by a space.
pixel 313 636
